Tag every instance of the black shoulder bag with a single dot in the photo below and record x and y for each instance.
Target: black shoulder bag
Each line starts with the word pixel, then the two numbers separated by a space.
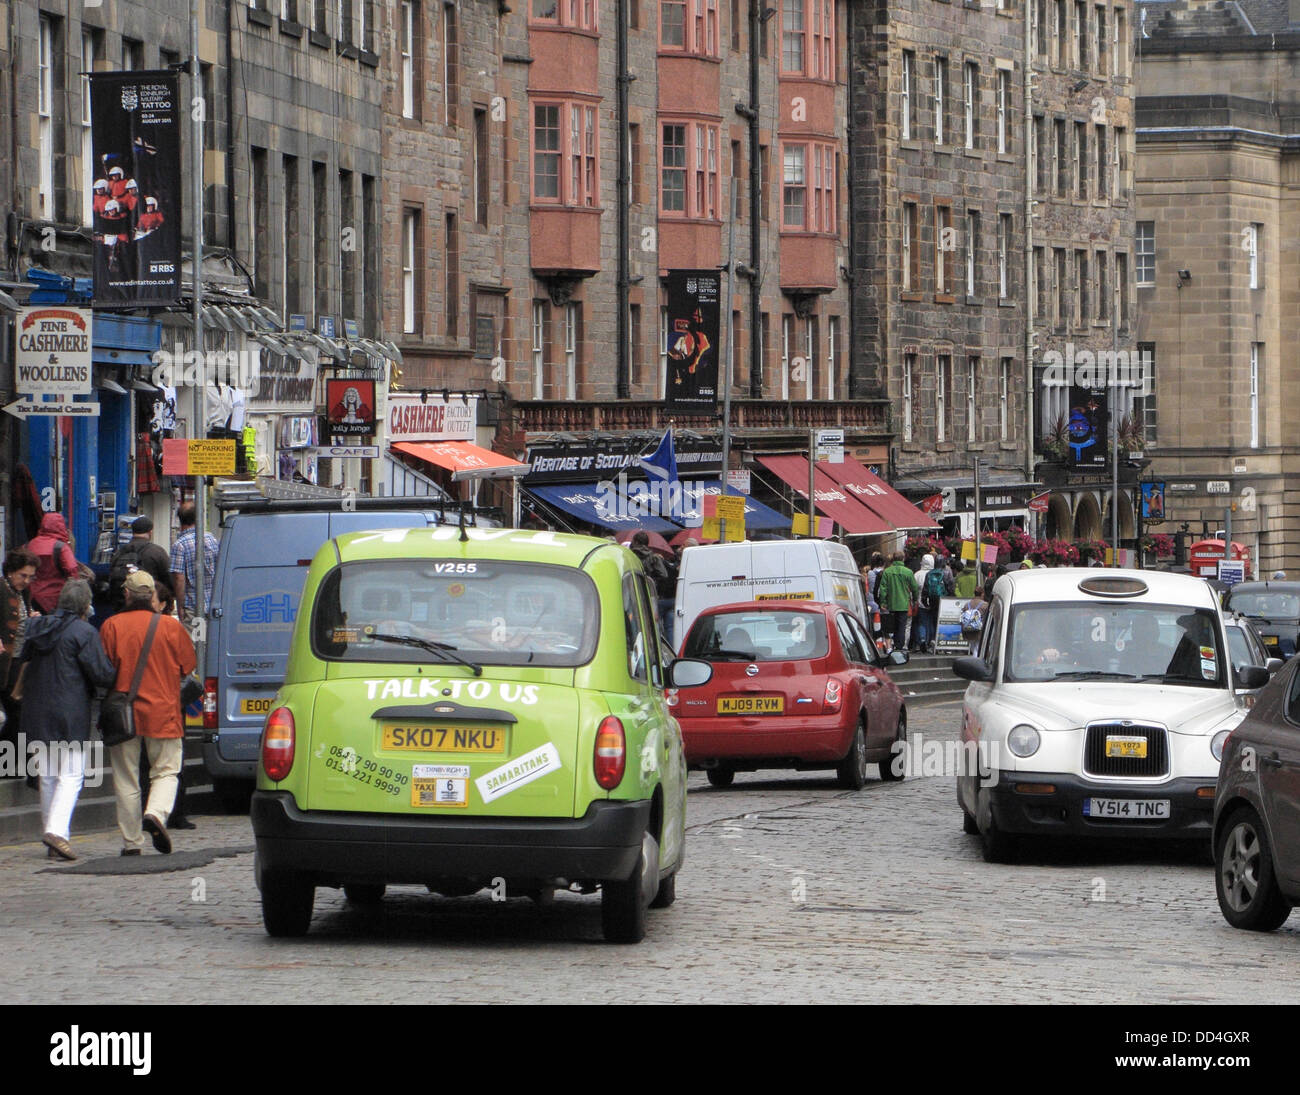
pixel 117 711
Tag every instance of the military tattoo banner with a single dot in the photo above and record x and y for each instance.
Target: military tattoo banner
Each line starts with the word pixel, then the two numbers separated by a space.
pixel 693 318
pixel 135 131
pixel 1088 427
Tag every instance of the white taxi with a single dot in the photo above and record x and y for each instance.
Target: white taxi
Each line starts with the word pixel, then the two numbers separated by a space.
pixel 1098 706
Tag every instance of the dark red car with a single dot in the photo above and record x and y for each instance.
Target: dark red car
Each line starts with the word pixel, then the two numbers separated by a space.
pixel 795 685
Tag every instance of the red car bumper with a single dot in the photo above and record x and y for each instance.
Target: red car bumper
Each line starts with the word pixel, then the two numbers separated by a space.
pixel 813 738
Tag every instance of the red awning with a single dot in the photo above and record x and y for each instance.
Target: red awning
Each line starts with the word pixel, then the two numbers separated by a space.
pixel 464 459
pixel 877 495
pixel 850 515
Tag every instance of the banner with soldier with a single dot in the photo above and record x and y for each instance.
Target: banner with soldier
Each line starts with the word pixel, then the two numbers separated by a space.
pixel 693 320
pixel 135 133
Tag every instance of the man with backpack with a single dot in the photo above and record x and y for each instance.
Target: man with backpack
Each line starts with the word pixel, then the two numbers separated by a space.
pixel 933 589
pixel 139 553
pixel 895 593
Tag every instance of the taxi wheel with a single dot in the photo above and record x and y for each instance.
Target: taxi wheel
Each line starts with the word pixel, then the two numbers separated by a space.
pixel 623 901
pixel 1249 897
pixel 364 893
pixel 1000 847
pixel 721 777
pixel 894 767
pixel 852 770
pixel 667 892
pixel 235 795
pixel 287 902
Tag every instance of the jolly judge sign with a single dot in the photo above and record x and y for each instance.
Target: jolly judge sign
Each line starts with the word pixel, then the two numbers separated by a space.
pixel 53 352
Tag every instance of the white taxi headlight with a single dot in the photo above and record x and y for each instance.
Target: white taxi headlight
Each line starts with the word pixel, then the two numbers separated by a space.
pixel 1218 742
pixel 1023 741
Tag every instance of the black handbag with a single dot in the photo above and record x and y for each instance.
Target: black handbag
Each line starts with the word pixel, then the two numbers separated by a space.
pixel 117 711
pixel 191 689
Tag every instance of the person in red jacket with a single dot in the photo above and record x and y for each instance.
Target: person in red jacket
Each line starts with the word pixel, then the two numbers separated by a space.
pixel 150 220
pixel 55 562
pixel 158 726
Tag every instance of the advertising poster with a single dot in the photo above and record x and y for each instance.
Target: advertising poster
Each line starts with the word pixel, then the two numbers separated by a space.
pixel 948 638
pixel 1087 427
pixel 1153 501
pixel 693 320
pixel 135 133
pixel 351 406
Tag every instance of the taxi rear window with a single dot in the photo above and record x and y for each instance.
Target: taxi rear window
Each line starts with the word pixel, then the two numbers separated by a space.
pixel 489 612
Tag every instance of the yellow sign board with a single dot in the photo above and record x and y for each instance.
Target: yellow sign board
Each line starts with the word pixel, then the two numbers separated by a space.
pixel 968 551
pixel 212 457
pixel 731 507
pixel 799 525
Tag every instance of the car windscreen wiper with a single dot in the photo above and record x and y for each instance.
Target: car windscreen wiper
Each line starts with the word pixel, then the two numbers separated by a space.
pixel 445 649
pixel 1096 675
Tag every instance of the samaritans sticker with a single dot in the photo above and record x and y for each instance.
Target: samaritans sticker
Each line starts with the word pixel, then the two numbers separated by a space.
pixel 515 773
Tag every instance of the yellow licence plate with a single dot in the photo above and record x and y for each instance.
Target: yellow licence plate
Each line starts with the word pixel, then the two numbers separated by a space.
pixel 255 707
pixel 1124 746
pixel 408 737
pixel 751 705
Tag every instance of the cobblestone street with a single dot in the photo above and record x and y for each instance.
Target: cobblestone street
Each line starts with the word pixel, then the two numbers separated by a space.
pixel 793 891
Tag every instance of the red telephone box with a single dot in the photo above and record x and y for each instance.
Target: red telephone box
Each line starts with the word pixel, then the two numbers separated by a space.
pixel 1204 557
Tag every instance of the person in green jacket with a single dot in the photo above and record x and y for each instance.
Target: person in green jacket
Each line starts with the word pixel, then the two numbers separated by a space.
pixel 896 592
pixel 965 588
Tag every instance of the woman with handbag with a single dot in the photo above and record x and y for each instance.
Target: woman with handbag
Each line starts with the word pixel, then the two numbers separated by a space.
pixel 151 653
pixel 15 610
pixel 62 662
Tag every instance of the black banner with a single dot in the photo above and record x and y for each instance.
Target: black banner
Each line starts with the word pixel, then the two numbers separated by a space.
pixel 692 386
pixel 608 456
pixel 135 129
pixel 1087 430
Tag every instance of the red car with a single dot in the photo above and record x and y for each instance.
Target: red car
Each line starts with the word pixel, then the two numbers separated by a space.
pixel 795 685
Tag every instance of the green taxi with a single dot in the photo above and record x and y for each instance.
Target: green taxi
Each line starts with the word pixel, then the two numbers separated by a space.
pixel 471 708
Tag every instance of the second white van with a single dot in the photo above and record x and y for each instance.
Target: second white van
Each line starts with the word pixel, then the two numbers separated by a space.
pixel 761 570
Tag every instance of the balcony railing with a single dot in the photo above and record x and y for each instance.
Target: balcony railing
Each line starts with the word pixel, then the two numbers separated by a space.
pixel 563 416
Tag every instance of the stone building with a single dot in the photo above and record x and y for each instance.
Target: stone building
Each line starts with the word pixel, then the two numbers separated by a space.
pixel 992 226
pixel 1216 266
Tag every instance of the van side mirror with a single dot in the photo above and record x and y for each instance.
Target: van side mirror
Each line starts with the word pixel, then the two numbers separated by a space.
pixel 689 673
pixel 1273 665
pixel 972 668
pixel 1250 677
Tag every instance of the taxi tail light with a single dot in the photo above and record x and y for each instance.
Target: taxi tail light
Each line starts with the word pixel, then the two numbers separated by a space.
pixel 831 701
pixel 610 755
pixel 209 703
pixel 278 744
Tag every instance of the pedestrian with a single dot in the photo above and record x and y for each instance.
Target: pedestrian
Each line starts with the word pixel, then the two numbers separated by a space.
pixel 62 663
pixel 972 620
pixel 178 819
pixel 930 582
pixel 896 592
pixel 158 727
pixel 184 577
pixel 657 571
pixel 965 580
pixel 55 562
pixel 139 553
pixel 15 612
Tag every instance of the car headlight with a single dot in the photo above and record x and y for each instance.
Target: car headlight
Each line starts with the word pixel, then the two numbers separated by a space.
pixel 1023 741
pixel 1218 742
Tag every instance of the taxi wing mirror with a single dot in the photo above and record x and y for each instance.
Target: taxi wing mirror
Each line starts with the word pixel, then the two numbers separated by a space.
pixel 1273 665
pixel 972 668
pixel 899 657
pixel 689 673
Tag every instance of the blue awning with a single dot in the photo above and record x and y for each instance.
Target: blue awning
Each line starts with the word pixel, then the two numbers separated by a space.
pixel 102 355
pixel 757 516
pixel 587 503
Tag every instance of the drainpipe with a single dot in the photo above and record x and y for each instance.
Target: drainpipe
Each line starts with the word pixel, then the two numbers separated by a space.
pixel 1031 167
pixel 230 135
pixel 755 210
pixel 623 385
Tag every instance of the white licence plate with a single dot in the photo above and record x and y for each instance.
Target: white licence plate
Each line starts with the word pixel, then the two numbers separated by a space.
pixel 1127 809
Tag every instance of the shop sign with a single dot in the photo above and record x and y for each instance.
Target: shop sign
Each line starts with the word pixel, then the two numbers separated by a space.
pixel 53 351
pixel 411 418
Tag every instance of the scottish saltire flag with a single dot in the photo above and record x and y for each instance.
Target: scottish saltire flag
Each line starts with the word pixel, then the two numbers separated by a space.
pixel 661 471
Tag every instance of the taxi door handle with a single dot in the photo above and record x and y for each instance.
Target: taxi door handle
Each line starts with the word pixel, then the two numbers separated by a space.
pixel 1271 761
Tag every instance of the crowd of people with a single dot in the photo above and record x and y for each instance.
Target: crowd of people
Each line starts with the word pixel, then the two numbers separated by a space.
pixel 54 664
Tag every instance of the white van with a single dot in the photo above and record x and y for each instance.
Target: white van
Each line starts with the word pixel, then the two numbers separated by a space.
pixel 786 570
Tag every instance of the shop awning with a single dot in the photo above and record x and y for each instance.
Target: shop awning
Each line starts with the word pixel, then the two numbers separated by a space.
pixel 464 459
pixel 758 517
pixel 587 503
pixel 831 499
pixel 877 495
